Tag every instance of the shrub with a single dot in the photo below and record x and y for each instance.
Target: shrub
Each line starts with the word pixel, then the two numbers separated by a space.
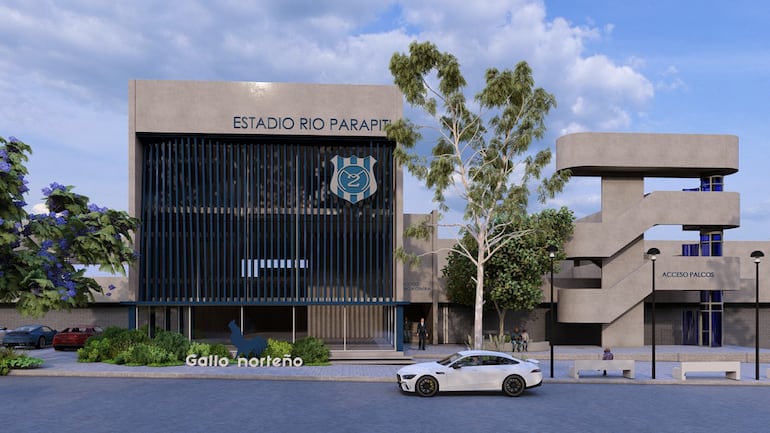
pixel 24 361
pixel 312 350
pixel 9 360
pixel 123 339
pixel 146 354
pixel 206 349
pixel 96 349
pixel 172 342
pixel 199 349
pixel 277 348
pixel 219 349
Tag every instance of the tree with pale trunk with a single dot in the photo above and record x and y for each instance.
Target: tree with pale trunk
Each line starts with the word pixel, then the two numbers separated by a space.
pixel 482 151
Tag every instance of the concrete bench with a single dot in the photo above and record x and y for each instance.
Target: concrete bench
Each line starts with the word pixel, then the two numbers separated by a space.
pixel 732 369
pixel 626 365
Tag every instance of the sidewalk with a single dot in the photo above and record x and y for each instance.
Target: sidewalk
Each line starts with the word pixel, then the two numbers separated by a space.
pixel 63 364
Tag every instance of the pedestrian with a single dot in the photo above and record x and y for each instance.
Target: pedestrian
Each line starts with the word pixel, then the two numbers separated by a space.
pixel 516 339
pixel 422 333
pixel 606 356
pixel 524 339
pixel 407 331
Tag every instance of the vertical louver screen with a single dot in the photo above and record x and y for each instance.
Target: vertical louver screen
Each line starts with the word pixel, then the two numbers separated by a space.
pixel 235 220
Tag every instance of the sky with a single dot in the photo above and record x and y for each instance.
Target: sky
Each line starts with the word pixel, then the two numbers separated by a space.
pixel 654 66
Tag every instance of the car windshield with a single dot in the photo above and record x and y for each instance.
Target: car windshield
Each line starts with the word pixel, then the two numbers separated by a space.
pixel 25 328
pixel 450 359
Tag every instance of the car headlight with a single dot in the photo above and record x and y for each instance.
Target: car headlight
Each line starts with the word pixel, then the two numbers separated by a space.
pixel 408 376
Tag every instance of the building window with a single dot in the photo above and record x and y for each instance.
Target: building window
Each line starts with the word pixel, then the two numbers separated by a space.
pixel 711 183
pixel 711 244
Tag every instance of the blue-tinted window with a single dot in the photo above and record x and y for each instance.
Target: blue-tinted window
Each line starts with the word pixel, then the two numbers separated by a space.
pixel 712 183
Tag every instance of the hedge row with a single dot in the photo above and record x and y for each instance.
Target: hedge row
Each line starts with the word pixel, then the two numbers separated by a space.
pixel 135 347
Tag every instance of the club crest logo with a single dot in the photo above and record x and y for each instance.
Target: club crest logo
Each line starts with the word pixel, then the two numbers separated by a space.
pixel 353 178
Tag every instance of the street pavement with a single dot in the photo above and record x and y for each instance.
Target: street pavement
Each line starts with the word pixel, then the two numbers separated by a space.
pixel 63 364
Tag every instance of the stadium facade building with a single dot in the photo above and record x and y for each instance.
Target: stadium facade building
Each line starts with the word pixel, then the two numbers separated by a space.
pixel 279 206
pixel 275 205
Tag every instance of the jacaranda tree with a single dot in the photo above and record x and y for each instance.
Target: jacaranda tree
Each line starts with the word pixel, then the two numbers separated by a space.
pixel 42 256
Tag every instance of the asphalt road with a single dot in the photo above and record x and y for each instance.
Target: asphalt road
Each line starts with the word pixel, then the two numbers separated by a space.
pixel 47 404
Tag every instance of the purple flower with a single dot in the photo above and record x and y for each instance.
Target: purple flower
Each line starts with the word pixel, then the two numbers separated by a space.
pixel 94 208
pixel 53 187
pixel 13 139
pixel 3 154
pixel 111 287
pixel 2 221
pixel 5 167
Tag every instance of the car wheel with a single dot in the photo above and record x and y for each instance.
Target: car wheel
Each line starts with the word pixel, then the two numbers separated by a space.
pixel 41 342
pixel 514 386
pixel 426 386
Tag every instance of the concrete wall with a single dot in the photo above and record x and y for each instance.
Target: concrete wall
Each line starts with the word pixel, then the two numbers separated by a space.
pixel 100 315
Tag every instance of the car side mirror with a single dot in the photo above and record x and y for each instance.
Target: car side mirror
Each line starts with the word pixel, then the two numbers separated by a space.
pixel 457 366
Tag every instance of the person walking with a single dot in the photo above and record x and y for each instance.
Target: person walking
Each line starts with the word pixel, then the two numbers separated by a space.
pixel 422 333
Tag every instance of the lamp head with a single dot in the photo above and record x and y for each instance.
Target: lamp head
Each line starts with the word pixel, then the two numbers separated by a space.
pixel 653 253
pixel 551 250
pixel 757 255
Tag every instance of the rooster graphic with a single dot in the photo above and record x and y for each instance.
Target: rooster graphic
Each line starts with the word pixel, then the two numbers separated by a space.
pixel 246 347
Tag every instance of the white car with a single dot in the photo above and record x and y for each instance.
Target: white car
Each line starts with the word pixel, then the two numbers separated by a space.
pixel 471 370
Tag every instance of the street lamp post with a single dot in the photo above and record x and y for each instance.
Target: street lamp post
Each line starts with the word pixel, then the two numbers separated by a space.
pixel 757 255
pixel 653 253
pixel 552 255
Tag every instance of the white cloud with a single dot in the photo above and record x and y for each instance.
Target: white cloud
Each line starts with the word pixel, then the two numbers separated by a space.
pixel 64 67
pixel 39 208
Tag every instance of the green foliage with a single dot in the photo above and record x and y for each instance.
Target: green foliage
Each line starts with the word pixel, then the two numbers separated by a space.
pixel 277 349
pixel 10 359
pixel 147 354
pixel 484 156
pixel 134 347
pixel 96 349
pixel 121 339
pixel 513 277
pixel 312 350
pixel 199 349
pixel 172 342
pixel 206 349
pixel 220 350
pixel 38 251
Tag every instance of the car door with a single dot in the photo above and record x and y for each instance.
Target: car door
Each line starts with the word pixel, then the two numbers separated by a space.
pixel 490 373
pixel 467 374
pixel 459 376
pixel 48 333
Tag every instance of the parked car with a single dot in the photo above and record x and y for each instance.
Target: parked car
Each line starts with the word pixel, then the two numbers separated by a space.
pixel 471 370
pixel 29 335
pixel 75 337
